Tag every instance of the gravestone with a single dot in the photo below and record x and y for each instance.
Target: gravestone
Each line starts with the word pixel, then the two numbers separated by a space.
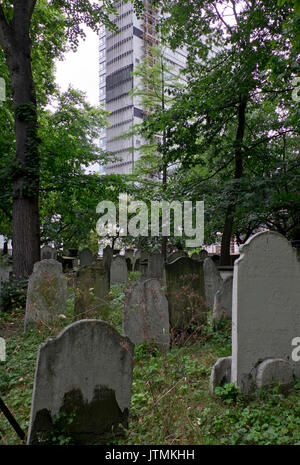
pixel 223 302
pixel 144 263
pixel 203 254
pixel 145 314
pixel 5 271
pixel 155 266
pixel 84 374
pixel 225 271
pixel 212 280
pixel 118 270
pixel 107 257
pixel 266 306
pixel 86 257
pixel 173 256
pixel 46 293
pixel 92 289
pixel 136 260
pixel 186 293
pixel 129 264
pixel 48 252
pixel 129 253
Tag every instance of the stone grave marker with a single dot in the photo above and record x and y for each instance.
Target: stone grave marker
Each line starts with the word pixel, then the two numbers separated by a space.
pixel 178 254
pixel 186 293
pixel 86 257
pixel 48 252
pixel 85 375
pixel 265 312
pixel 5 271
pixel 212 280
pixel 92 289
pixel 155 266
pixel 118 270
pixel 266 305
pixel 145 314
pixel 46 293
pixel 107 257
pixel 136 260
pixel 203 254
pixel 222 309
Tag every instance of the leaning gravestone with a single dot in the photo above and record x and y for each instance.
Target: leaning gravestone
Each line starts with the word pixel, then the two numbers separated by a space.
pixel 92 289
pixel 86 257
pixel 46 293
pixel 145 314
pixel 265 310
pixel 186 293
pixel 118 270
pixel 83 375
pixel 212 280
pixel 223 302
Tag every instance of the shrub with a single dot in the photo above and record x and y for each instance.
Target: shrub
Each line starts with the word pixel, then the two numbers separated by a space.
pixel 13 295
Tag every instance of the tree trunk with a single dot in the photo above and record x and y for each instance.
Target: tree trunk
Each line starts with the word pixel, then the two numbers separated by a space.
pixel 16 43
pixel 227 231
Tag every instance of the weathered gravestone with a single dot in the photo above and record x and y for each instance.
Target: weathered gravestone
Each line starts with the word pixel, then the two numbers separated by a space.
pixel 155 266
pixel 5 271
pixel 86 257
pixel 136 260
pixel 145 314
pixel 266 305
pixel 173 256
pixel 265 312
pixel 83 375
pixel 186 293
pixel 212 280
pixel 143 263
pixel 48 252
pixel 46 293
pixel 118 270
pixel 223 302
pixel 203 254
pixel 92 289
pixel 129 253
pixel 107 257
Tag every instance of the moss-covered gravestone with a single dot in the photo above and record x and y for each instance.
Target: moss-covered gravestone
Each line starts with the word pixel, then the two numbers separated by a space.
pixel 82 386
pixel 92 289
pixel 145 316
pixel 46 294
pixel 186 293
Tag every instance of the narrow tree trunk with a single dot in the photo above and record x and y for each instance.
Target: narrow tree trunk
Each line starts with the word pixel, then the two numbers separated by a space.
pixel 227 231
pixel 16 43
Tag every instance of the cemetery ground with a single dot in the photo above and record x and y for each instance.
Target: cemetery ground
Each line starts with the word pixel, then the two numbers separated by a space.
pixel 170 403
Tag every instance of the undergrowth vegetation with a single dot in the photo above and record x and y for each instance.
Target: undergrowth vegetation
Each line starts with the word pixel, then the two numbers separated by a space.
pixel 170 403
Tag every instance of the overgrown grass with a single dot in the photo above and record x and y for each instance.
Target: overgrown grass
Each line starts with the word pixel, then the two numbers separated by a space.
pixel 171 403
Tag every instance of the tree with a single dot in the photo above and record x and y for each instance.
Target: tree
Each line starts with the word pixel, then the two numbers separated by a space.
pixel 157 82
pixel 230 80
pixel 16 40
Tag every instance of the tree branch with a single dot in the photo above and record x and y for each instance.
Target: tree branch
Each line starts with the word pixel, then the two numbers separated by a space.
pixel 221 19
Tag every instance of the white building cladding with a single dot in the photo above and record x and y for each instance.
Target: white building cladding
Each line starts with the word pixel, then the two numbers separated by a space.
pixel 119 53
